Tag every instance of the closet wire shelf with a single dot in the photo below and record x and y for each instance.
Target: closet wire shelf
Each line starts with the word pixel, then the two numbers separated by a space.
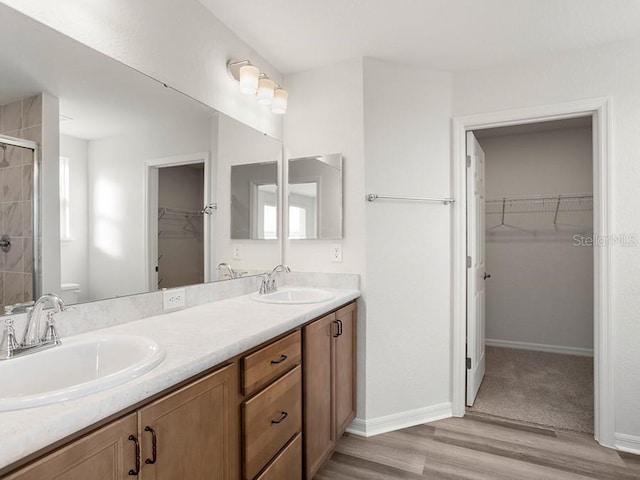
pixel 180 222
pixel 554 204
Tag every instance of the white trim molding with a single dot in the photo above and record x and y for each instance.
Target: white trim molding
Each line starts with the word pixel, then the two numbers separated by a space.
pixel 599 110
pixel 396 421
pixel 539 347
pixel 628 443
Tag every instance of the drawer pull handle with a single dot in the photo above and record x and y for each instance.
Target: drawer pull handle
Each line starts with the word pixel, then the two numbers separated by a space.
pixel 339 327
pixel 154 446
pixel 280 360
pixel 283 415
pixel 134 473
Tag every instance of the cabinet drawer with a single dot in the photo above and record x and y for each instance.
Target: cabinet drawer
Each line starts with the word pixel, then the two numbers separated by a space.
pixel 261 367
pixel 288 464
pixel 271 418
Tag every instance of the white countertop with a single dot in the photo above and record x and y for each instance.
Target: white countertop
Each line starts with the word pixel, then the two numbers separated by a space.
pixel 195 339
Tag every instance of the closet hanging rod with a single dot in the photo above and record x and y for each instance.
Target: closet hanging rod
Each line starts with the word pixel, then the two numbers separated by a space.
pixel 525 198
pixel 374 196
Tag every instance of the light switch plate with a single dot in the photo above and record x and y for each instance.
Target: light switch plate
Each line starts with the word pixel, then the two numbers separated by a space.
pixel 336 253
pixel 174 298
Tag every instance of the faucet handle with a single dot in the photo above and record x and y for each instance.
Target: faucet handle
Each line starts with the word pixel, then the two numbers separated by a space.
pixel 9 343
pixel 264 285
pixel 50 333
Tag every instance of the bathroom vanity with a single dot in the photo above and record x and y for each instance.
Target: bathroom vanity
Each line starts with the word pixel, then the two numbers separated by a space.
pixel 234 398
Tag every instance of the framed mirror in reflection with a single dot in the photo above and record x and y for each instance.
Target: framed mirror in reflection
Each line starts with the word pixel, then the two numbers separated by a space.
pixel 135 177
pixel 254 201
pixel 315 197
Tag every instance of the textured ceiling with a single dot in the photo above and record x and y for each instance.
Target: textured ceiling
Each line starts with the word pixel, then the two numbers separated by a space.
pixel 452 35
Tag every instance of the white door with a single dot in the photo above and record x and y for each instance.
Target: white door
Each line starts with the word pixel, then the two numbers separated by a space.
pixel 476 273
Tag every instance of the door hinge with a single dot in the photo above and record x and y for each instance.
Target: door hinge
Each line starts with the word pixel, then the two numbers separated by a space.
pixel 468 363
pixel 468 262
pixel 468 161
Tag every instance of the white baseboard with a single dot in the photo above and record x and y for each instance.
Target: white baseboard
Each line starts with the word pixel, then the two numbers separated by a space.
pixel 539 347
pixel 396 421
pixel 628 443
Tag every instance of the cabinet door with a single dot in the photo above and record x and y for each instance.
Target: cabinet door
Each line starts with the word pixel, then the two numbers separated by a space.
pixel 345 368
pixel 107 454
pixel 318 424
pixel 196 431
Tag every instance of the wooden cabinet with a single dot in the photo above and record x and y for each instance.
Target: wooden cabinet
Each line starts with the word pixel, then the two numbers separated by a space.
pixel 298 398
pixel 107 454
pixel 272 417
pixel 268 363
pixel 192 433
pixel 344 368
pixel 318 392
pixel 329 384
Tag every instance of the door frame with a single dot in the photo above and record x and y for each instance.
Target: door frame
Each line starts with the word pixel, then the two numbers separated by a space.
pixel 599 109
pixel 150 248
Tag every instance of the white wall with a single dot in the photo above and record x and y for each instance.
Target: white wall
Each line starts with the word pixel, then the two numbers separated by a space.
pixel 541 285
pixel 611 70
pixel 401 250
pixel 327 117
pixel 116 238
pixel 74 253
pixel 406 133
pixel 179 43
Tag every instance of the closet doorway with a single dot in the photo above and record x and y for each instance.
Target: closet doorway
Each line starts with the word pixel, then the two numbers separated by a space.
pixel 178 221
pixel 530 208
pixel 469 347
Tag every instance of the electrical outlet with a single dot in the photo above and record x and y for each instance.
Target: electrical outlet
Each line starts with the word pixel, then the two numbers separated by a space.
pixel 172 299
pixel 336 253
pixel 236 254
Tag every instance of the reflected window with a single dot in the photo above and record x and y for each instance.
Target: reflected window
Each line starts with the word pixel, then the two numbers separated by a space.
pixel 267 221
pixel 303 210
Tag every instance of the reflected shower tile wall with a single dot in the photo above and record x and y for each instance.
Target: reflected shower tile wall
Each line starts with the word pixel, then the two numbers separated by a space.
pixel 20 119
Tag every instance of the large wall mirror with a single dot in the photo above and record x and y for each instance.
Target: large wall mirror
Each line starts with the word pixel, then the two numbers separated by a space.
pixel 134 177
pixel 315 197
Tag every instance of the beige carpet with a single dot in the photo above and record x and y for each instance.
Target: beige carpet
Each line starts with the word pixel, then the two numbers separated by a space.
pixel 537 387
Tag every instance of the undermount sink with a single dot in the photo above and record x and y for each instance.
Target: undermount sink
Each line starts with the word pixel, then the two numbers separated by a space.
pixel 294 295
pixel 75 369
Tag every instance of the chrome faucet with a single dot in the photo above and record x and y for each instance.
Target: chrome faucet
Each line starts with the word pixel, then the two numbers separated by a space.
pixel 232 273
pixel 33 340
pixel 268 284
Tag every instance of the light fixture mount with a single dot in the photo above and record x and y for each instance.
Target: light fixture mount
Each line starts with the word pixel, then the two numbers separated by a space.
pixel 233 67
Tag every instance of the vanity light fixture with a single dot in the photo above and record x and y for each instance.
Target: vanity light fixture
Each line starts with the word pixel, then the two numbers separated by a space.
pixel 280 99
pixel 253 82
pixel 265 91
pixel 249 77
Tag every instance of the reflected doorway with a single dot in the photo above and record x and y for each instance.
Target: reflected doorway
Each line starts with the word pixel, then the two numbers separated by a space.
pixel 178 226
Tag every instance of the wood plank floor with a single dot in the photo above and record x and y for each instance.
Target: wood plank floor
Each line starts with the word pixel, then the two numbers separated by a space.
pixel 477 448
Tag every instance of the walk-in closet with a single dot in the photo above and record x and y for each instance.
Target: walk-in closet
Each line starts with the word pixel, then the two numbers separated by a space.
pixel 539 274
